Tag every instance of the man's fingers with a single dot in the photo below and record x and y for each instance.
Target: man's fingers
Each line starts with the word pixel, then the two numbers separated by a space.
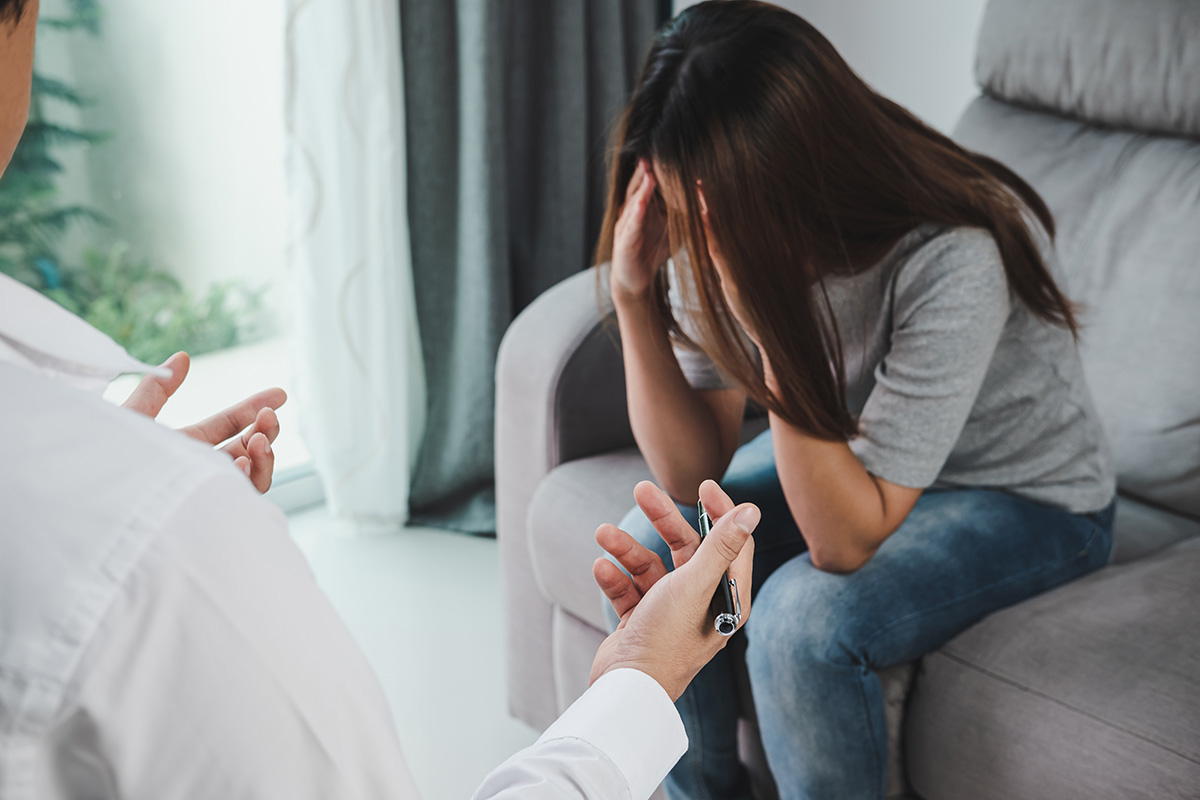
pixel 153 392
pixel 716 502
pixel 645 567
pixel 663 514
pixel 257 462
pixel 262 462
pixel 721 548
pixel 616 585
pixel 219 427
pixel 266 423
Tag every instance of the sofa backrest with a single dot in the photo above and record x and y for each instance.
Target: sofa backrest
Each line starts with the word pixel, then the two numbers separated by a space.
pixel 1097 104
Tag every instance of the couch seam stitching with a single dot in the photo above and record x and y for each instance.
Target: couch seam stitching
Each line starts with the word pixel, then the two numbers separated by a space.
pixel 1030 690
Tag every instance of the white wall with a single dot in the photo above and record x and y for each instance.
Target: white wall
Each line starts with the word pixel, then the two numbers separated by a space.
pixel 192 93
pixel 920 53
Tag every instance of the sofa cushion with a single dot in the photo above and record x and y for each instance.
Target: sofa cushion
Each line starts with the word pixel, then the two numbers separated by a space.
pixel 1092 690
pixel 1120 63
pixel 1140 530
pixel 575 646
pixel 570 503
pixel 1127 207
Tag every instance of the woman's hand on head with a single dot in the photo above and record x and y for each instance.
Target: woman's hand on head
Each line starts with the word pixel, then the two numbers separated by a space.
pixel 640 243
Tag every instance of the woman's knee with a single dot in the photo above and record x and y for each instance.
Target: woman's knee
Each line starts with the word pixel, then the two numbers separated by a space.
pixel 802 615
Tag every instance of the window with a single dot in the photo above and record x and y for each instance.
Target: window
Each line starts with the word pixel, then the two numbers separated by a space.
pixel 148 193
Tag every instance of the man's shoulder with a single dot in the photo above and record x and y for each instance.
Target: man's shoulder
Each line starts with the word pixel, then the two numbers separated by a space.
pixel 74 460
pixel 50 425
pixel 85 488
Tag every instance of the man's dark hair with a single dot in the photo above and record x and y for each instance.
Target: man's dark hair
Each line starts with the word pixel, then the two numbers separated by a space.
pixel 11 11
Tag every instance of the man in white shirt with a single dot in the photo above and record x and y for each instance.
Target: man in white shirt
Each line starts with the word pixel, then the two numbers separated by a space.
pixel 161 636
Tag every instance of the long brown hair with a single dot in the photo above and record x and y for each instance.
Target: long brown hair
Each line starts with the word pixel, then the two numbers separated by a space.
pixel 806 172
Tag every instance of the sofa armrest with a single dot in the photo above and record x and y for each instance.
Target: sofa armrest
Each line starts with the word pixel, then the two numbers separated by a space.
pixel 560 395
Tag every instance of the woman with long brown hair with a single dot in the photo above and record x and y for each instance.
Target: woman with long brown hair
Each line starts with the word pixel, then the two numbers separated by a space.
pixel 887 297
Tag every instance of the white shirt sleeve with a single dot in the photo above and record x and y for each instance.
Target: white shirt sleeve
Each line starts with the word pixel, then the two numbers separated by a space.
pixel 221 670
pixel 619 740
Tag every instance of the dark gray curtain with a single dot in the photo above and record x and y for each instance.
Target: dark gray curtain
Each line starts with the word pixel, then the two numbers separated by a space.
pixel 508 107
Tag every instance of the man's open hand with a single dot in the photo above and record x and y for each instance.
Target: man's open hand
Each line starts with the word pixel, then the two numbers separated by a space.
pixel 666 627
pixel 253 421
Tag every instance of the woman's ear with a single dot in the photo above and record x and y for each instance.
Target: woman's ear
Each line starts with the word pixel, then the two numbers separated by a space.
pixel 700 197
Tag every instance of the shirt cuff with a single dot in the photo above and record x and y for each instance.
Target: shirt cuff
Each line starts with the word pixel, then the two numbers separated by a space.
pixel 630 718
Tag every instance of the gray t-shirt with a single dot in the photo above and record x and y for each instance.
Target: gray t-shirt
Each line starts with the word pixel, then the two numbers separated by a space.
pixel 954 382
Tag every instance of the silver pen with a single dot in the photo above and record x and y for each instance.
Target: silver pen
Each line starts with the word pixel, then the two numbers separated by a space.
pixel 727 621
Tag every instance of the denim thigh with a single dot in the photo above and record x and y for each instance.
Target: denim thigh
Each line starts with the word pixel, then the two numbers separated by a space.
pixel 960 555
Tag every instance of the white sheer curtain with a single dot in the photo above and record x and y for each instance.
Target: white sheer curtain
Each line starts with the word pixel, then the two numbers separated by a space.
pixel 358 356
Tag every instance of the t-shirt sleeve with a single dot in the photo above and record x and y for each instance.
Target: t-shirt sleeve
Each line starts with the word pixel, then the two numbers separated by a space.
pixel 950 306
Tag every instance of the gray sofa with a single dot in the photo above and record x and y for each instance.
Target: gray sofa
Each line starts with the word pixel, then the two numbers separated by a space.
pixel 1089 691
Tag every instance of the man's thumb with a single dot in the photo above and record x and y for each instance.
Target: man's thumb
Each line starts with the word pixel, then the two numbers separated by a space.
pixel 725 541
pixel 153 392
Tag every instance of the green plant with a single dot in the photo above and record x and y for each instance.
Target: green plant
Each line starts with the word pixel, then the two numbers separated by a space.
pixel 143 308
pixel 152 314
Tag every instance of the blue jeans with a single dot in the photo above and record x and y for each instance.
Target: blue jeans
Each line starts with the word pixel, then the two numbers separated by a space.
pixel 815 638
